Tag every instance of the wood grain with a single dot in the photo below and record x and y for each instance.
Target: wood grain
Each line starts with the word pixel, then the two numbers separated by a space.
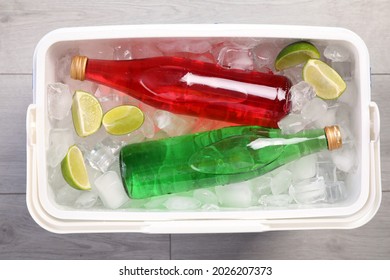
pixel 15 96
pixel 380 95
pixel 22 238
pixel 372 241
pixel 23 23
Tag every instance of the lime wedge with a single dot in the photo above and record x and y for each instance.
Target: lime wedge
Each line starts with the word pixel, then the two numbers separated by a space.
pixel 326 82
pixel 123 119
pixel 86 113
pixel 295 54
pixel 73 169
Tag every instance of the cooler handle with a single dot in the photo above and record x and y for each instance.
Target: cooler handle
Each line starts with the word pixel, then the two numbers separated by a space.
pixel 31 127
pixel 374 122
pixel 207 226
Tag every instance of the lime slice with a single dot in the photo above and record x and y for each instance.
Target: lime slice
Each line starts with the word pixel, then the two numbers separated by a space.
pixel 73 169
pixel 123 119
pixel 295 54
pixel 326 82
pixel 86 113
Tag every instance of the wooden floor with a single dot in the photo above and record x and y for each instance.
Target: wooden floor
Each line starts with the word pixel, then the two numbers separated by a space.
pixel 24 22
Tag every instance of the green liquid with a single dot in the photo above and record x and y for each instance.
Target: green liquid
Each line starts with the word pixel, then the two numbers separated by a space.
pixel 211 158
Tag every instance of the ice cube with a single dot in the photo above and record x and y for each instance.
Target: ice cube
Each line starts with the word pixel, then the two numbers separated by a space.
pixel 174 125
pixel 303 168
pixel 67 195
pixel 145 50
pixel 147 127
pixel 161 134
pixel 55 177
pixel 346 135
pixel 205 196
pixel 63 64
pixel 59 100
pixel 210 207
pixel 261 185
pixel 313 110
pixel 234 195
pixel 112 144
pixel 170 47
pixel 60 139
pixel 63 72
pixel 292 123
pixel 97 51
pixel 336 53
pixel 205 57
pixel 293 73
pixel 341 175
pixel 93 174
pixel 126 99
pixel 301 94
pixel 335 191
pixel 308 191
pixel 89 143
pixel 327 170
pixel 182 203
pixel 156 202
pixel 329 118
pixel 115 166
pixel 349 96
pixel 110 190
pixel 86 200
pixel 264 55
pixel 344 158
pixel 122 52
pixel 243 43
pixel 100 157
pixel 131 138
pixel 66 122
pixel 344 69
pixel 103 93
pixel 281 182
pixel 343 116
pixel 279 200
pixel 108 99
pixel 134 204
pixel 236 58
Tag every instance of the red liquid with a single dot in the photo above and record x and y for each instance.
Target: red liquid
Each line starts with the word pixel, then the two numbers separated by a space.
pixel 197 88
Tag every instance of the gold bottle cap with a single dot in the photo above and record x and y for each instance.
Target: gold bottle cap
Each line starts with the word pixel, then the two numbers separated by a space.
pixel 77 67
pixel 333 135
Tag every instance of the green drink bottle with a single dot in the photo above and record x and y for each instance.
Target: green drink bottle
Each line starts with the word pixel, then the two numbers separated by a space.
pixel 228 155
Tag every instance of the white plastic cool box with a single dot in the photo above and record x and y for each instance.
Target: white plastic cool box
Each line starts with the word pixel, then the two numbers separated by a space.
pixel 364 184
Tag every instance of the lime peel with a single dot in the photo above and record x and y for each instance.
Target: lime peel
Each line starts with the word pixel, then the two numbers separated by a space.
pixel 295 54
pixel 74 171
pixel 87 113
pixel 326 82
pixel 123 119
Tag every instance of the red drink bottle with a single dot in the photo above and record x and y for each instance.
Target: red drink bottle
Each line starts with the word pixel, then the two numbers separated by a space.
pixel 190 87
